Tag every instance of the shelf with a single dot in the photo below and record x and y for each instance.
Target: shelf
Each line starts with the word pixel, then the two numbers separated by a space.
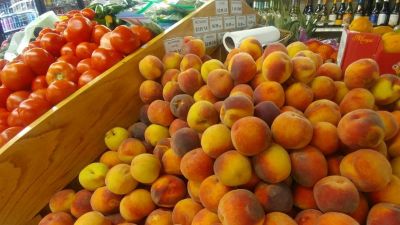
pixel 15 29
pixel 17 3
pixel 17 13
pixel 329 29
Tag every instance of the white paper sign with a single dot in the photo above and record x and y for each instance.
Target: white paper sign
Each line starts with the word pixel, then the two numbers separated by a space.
pixel 241 22
pixel 174 45
pixel 251 21
pixel 229 22
pixel 200 25
pixel 216 23
pixel 236 7
pixel 221 7
pixel 210 40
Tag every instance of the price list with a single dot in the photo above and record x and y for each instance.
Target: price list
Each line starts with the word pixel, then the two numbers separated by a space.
pixel 241 22
pixel 200 25
pixel 174 45
pixel 216 23
pixel 210 40
pixel 221 7
pixel 229 22
pixel 236 7
pixel 251 21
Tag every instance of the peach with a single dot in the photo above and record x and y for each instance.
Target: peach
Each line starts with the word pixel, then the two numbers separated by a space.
pixel 325 138
pixel 269 91
pixel 384 213
pixel 232 53
pixel 367 169
pixel 193 188
pixel 251 135
pixel 273 164
pixel 210 66
pixel 190 81
pixel 316 58
pixel 201 115
pixel 273 47
pixel 172 60
pixel 196 165
pixel 161 147
pixel 386 89
pixel 220 83
pixel 205 94
pixel 143 114
pixel 390 124
pixel 308 166
pixel 176 125
pixel 159 113
pixel 362 210
pixel 299 96
pixel 303 197
pixel 117 219
pixel 277 66
pixel 288 108
pixel 274 218
pixel 105 201
pixel 295 47
pixel 218 106
pixel 252 46
pixel 334 164
pixel 151 67
pixel 155 133
pixel 211 191
pixel 232 168
pixel 234 108
pixel 323 88
pixel 242 68
pixel 388 193
pixel 304 69
pixel 242 89
pixel 170 75
pixel 323 110
pixel 341 91
pixel 180 105
pixel 216 140
pixel 61 201
pixel 361 74
pixel 184 211
pixel 336 218
pixel 81 203
pixel 298 136
pixel 167 190
pixel 57 218
pixel 240 207
pixel 119 180
pixel 195 46
pixel 252 183
pixel 274 197
pixel 258 78
pixel 395 162
pixel 137 129
pixel 205 217
pixel 150 91
pixel 136 205
pixel 92 218
pixel 267 111
pixel 307 217
pixel 145 168
pixel 331 70
pixel 191 61
pixel 362 128
pixel 336 193
pixel 129 148
pixel 159 217
pixel 171 163
pixel 92 176
pixel 170 90
pixel 185 140
pixel 357 98
pixel 110 158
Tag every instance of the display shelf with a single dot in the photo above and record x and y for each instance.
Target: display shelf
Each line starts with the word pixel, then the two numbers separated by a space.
pixel 17 13
pixel 329 29
pixel 12 30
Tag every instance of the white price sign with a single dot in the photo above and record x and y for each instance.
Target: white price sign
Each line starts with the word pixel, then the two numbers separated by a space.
pixel 251 21
pixel 241 22
pixel 236 7
pixel 216 23
pixel 210 40
pixel 200 25
pixel 174 45
pixel 220 36
pixel 221 7
pixel 229 22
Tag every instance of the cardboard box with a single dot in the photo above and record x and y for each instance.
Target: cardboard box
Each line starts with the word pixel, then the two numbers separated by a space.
pixel 357 45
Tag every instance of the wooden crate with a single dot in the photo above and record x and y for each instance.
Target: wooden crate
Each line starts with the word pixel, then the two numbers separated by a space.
pixel 48 154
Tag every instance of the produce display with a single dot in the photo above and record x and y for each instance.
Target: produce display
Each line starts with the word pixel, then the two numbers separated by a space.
pixel 57 63
pixel 266 137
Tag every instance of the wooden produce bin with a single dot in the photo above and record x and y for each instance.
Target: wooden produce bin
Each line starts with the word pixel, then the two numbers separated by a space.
pixel 48 155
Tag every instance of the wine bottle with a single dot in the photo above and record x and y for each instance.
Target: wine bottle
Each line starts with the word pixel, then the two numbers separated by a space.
pixel 383 17
pixel 333 14
pixel 308 10
pixel 319 7
pixel 395 14
pixel 323 14
pixel 348 14
pixel 340 13
pixel 359 9
pixel 375 13
pixel 294 10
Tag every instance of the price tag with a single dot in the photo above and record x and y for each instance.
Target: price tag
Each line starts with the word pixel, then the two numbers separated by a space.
pixel 241 22
pixel 236 7
pixel 174 45
pixel 210 40
pixel 200 25
pixel 251 21
pixel 229 22
pixel 220 36
pixel 221 7
pixel 216 23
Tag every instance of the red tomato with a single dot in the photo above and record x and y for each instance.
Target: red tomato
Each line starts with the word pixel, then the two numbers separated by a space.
pixel 103 59
pixel 61 26
pixel 3 62
pixel 88 13
pixel 79 29
pixel 14 119
pixel 3 127
pixel 68 49
pixel 38 60
pixel 39 82
pixel 143 33
pixel 73 12
pixel 17 76
pixel 31 109
pixel 8 134
pixel 61 71
pixel 4 116
pixel 39 93
pixel 124 40
pixel 71 59
pixel 87 76
pixel 45 31
pixel 105 41
pixel 52 43
pixel 98 32
pixel 4 93
pixel 84 65
pixel 15 99
pixel 85 49
pixel 59 90
pixel 34 44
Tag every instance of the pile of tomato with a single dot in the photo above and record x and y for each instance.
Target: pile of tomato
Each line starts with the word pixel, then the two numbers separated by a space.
pixel 57 63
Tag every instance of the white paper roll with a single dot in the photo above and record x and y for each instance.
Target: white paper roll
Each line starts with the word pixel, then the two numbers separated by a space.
pixel 264 35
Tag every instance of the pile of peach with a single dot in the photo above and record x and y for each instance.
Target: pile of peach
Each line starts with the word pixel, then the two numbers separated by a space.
pixel 326 51
pixel 266 138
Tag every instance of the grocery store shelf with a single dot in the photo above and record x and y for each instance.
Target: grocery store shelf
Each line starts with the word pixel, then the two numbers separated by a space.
pixel 17 13
pixel 15 29
pixel 328 29
pixel 20 2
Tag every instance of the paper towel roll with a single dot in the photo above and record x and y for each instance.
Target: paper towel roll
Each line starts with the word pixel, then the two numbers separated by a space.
pixel 264 35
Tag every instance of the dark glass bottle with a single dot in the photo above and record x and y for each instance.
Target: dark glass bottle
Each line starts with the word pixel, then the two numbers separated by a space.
pixel 360 11
pixel 340 13
pixel 319 7
pixel 395 14
pixel 294 10
pixel 333 14
pixel 348 14
pixel 383 17
pixel 308 10
pixel 323 15
pixel 375 13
